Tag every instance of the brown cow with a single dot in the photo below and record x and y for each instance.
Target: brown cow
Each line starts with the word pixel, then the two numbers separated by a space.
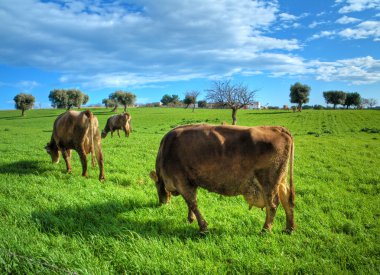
pixel 78 131
pixel 228 160
pixel 118 122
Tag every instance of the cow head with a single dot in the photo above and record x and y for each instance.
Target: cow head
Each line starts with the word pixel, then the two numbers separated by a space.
pixel 104 133
pixel 52 149
pixel 163 195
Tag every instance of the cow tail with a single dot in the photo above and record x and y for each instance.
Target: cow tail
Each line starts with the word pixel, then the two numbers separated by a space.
pixel 292 194
pixel 90 116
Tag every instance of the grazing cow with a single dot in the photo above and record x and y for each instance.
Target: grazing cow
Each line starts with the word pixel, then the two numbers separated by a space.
pixel 118 122
pixel 228 160
pixel 78 131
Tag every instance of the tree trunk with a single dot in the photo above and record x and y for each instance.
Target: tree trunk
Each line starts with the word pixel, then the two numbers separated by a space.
pixel 334 106
pixel 193 107
pixel 22 112
pixel 114 109
pixel 125 108
pixel 300 107
pixel 234 120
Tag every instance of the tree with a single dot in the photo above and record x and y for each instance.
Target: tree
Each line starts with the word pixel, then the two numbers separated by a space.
pixel 299 94
pixel 352 99
pixel 125 99
pixel 67 98
pixel 170 100
pixel 202 103
pixel 233 96
pixel 74 98
pixel 58 98
pixel 108 102
pixel 122 98
pixel 369 102
pixel 24 102
pixel 191 98
pixel 86 98
pixel 334 97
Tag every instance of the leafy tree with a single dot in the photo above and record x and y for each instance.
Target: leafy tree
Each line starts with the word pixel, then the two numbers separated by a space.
pixel 202 103
pixel 24 102
pixel 352 99
pixel 170 100
pixel 86 98
pixel 108 102
pixel 191 98
pixel 334 97
pixel 233 96
pixel 166 99
pixel 123 98
pixel 113 97
pixel 299 94
pixel 67 98
pixel 58 98
pixel 74 98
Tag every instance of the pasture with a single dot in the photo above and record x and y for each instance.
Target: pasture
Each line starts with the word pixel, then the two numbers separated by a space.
pixel 53 222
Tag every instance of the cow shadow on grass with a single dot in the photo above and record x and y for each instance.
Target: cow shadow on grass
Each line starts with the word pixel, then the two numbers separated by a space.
pixel 23 167
pixel 114 219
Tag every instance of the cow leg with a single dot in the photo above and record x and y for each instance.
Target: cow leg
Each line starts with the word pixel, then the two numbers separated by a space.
pixel 288 207
pixel 100 159
pixel 93 163
pixel 125 131
pixel 66 156
pixel 83 159
pixel 272 201
pixel 270 181
pixel 190 195
pixel 191 216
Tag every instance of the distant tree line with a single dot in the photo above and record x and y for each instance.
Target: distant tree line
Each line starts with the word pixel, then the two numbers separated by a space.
pixel 67 98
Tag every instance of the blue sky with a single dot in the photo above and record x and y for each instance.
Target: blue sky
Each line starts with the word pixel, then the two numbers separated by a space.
pixel 152 48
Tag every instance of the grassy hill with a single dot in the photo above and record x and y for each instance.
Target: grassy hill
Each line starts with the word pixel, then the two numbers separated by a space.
pixel 53 222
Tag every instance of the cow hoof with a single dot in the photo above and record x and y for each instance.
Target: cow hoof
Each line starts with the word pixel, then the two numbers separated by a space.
pixel 203 232
pixel 265 231
pixel 288 231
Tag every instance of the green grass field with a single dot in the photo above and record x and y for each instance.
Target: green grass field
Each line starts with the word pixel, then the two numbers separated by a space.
pixel 53 222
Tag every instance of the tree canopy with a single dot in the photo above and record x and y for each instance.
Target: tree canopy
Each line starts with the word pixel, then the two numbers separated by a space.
pixel 24 102
pixel 67 98
pixel 123 98
pixel 334 97
pixel 299 94
pixel 170 100
pixel 352 99
pixel 191 98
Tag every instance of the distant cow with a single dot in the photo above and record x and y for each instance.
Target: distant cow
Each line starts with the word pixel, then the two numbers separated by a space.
pixel 118 122
pixel 228 160
pixel 78 131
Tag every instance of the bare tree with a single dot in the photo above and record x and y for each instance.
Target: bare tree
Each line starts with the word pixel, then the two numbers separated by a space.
pixel 233 96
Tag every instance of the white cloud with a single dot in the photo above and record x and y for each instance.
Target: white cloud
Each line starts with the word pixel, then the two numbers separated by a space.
pixel 367 29
pixel 358 5
pixel 364 70
pixel 347 20
pixel 322 34
pixel 92 38
pixel 287 17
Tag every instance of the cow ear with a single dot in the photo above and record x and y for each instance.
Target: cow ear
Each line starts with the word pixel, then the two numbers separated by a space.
pixel 153 176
